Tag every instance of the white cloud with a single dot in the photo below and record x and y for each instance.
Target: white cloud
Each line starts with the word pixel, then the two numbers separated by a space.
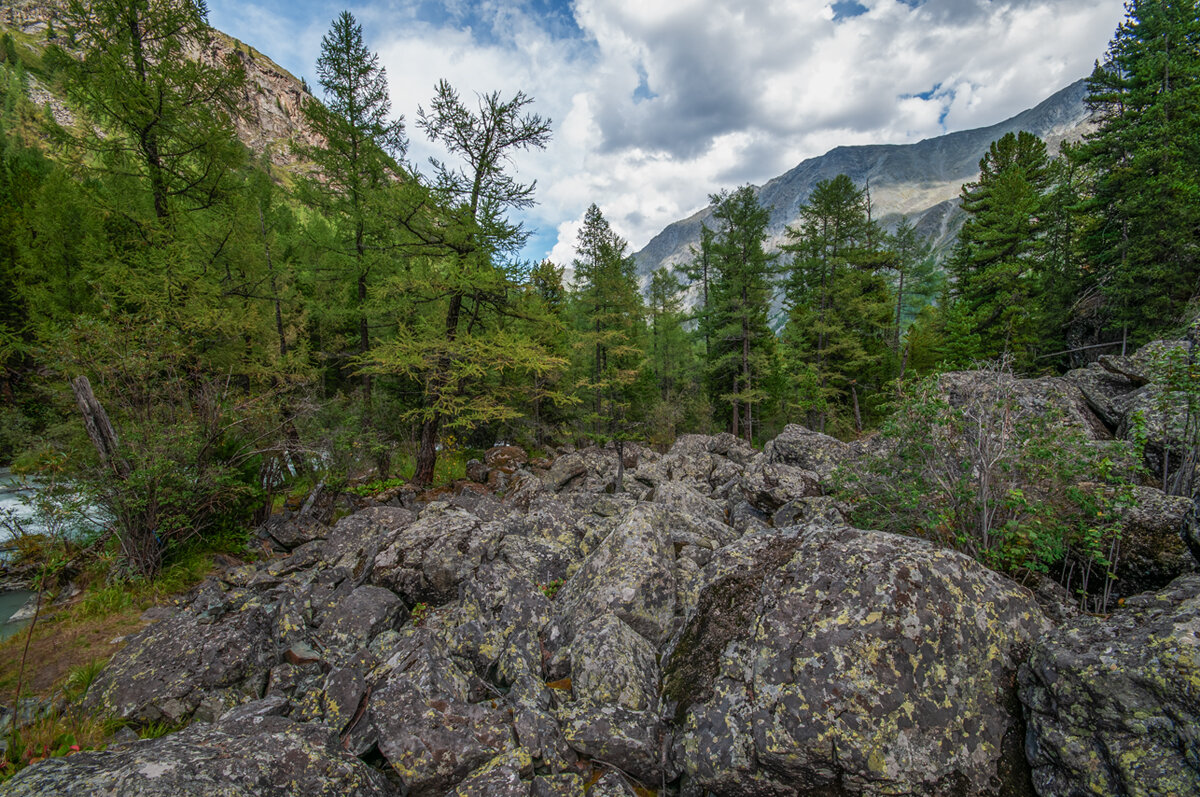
pixel 733 92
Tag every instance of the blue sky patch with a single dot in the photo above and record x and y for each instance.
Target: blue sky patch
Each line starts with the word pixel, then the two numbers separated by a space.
pixel 845 9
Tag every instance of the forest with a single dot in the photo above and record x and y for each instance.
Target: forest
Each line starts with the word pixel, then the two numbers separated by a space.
pixel 251 331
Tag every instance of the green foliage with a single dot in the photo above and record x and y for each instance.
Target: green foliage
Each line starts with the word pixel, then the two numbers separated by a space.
pixel 419 614
pixel 551 588
pixel 1012 489
pixel 1000 248
pixel 741 341
pixel 1141 223
pixel 841 312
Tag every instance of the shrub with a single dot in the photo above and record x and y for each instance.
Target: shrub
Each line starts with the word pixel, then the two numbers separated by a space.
pixel 1014 489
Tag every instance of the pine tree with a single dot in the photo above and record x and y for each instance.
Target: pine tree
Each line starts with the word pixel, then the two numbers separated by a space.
pixel 740 295
pixel 1142 233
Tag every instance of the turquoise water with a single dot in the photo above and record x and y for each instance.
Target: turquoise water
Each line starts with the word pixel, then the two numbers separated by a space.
pixel 13 492
pixel 9 603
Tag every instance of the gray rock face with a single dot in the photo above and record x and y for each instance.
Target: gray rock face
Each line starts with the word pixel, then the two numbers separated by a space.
pixel 221 647
pixel 631 575
pixel 264 755
pixel 426 561
pixel 822 658
pixel 807 450
pixel 1114 704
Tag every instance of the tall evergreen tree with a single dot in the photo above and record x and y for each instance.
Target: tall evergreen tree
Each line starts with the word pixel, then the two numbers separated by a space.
pixel 996 263
pixel 356 164
pixel 840 309
pixel 1142 236
pixel 740 295
pixel 608 309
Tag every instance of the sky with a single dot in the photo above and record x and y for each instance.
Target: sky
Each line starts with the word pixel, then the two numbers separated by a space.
pixel 656 104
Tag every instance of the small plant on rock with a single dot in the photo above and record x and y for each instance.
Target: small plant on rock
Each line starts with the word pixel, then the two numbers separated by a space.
pixel 551 588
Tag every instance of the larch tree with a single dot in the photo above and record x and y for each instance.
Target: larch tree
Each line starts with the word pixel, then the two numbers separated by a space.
pixel 356 164
pixel 464 278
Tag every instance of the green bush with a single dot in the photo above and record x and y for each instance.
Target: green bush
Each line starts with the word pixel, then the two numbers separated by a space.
pixel 1014 489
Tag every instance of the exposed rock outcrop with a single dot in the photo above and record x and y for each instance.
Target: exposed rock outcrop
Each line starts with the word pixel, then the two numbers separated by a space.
pixel 1114 703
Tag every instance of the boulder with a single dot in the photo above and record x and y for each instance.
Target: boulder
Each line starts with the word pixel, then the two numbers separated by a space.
pixel 1104 392
pixel 567 470
pixel 1190 529
pixel 631 574
pixel 768 486
pixel 292 531
pixel 831 660
pixel 808 450
pixel 221 646
pixel 1114 704
pixel 259 755
pixel 1152 552
pixel 363 614
pixel 428 719
pixel 507 458
pixel 427 560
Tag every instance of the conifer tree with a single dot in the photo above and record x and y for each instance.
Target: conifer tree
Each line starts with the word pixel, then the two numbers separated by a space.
pixel 608 309
pixel 462 242
pixel 840 309
pixel 740 295
pixel 356 164
pixel 1142 231
pixel 167 117
pixel 995 265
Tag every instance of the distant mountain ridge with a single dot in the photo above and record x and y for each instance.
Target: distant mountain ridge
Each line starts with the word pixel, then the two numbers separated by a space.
pixel 920 180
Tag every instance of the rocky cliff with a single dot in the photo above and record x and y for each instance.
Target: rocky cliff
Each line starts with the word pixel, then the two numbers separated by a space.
pixel 921 181
pixel 272 97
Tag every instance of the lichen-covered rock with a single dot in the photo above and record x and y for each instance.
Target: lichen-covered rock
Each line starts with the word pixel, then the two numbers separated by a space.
pixel 426 561
pixel 824 658
pixel 291 532
pixel 612 663
pixel 354 621
pixel 507 458
pixel 630 574
pixel 634 741
pixel 687 501
pixel 566 471
pixel 1114 704
pixel 429 720
pixel 767 486
pixel 807 450
pixel 1152 552
pixel 220 646
pixel 824 508
pixel 261 755
pixel 1104 392
pixel 497 622
pixel 1190 529
pixel 1052 398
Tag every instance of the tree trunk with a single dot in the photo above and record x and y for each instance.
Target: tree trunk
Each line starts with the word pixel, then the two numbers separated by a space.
pixel 99 429
pixel 427 453
pixel 858 427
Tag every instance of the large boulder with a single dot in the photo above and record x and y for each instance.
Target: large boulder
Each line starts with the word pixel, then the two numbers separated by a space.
pixel 1114 703
pixel 808 450
pixel 834 660
pixel 427 560
pixel 220 648
pixel 1054 399
pixel 1152 552
pixel 257 755
pixel 631 574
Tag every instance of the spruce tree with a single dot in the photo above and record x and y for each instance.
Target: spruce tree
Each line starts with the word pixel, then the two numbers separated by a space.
pixel 840 309
pixel 740 295
pixel 1142 227
pixel 996 263
pixel 608 311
